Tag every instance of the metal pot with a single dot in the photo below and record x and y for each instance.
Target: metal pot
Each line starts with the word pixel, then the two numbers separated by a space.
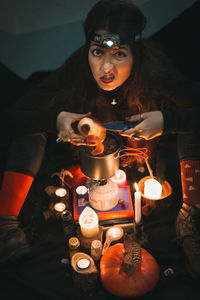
pixel 101 167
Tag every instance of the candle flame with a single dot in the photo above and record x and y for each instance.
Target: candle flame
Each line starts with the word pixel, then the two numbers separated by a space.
pixel 136 187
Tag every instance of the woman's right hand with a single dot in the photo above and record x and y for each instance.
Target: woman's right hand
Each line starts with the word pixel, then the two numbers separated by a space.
pixel 65 131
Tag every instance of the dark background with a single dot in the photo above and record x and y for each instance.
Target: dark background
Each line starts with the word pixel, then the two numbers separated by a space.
pixel 41 275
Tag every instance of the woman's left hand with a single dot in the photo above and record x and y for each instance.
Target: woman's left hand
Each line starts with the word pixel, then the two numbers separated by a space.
pixel 151 125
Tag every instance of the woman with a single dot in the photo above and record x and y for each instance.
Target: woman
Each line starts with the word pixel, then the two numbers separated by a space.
pixel 115 75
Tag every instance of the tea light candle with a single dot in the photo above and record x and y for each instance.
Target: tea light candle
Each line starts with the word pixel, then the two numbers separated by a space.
pixel 113 234
pixel 137 198
pixel 81 190
pixel 89 223
pixel 152 189
pixel 61 192
pixel 59 207
pixel 83 263
pixel 119 178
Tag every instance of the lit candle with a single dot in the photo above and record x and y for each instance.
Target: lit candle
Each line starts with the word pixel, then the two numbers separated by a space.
pixel 113 234
pixel 152 189
pixel 61 192
pixel 137 197
pixel 81 190
pixel 119 178
pixel 83 263
pixel 59 207
pixel 89 223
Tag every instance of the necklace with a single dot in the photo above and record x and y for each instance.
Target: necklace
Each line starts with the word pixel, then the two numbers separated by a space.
pixel 113 102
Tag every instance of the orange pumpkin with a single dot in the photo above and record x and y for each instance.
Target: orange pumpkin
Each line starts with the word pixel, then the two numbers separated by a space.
pixel 143 279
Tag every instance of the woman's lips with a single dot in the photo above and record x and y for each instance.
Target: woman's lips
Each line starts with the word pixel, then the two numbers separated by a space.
pixel 107 78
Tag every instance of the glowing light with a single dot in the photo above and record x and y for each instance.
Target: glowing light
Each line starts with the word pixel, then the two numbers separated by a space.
pixel 137 198
pixel 119 178
pixel 81 190
pixel 61 192
pixel 115 233
pixel 152 189
pixel 83 263
pixel 60 207
pixel 109 43
pixel 89 223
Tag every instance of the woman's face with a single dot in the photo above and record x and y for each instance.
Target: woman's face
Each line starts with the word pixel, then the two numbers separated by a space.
pixel 110 67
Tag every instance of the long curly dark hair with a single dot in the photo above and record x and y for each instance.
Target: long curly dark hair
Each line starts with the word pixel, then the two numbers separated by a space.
pixel 151 85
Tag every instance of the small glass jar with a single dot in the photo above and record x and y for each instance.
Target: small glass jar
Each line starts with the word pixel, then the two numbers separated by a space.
pixel 74 246
pixel 96 250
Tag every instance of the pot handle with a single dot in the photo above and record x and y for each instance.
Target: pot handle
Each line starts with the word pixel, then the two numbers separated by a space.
pixel 129 151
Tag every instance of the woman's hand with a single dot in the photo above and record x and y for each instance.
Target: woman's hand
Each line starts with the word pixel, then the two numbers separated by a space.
pixel 151 125
pixel 65 131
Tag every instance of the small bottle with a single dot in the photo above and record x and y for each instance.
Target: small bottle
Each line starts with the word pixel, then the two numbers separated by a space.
pixel 96 250
pixel 68 224
pixel 74 246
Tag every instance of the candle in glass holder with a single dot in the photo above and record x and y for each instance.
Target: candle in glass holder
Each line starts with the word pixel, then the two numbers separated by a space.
pixel 89 223
pixel 137 198
pixel 119 178
pixel 152 189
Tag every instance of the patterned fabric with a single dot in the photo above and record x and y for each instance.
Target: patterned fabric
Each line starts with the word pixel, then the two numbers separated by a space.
pixel 190 179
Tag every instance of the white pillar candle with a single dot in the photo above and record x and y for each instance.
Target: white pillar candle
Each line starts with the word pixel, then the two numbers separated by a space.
pixel 119 178
pixel 89 223
pixel 137 198
pixel 152 189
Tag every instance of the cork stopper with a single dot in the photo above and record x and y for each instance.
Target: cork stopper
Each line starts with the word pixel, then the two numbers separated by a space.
pixel 74 243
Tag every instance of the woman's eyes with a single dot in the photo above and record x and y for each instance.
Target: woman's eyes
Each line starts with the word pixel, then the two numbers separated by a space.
pixel 120 54
pixel 99 52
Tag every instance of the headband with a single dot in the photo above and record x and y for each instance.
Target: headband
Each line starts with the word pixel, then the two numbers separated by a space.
pixel 110 40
